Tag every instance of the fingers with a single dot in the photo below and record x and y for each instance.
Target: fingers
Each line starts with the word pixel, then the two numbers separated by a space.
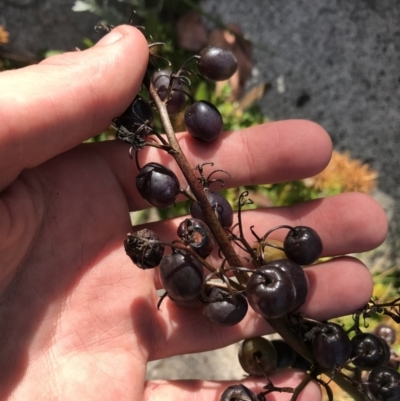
pixel 51 107
pixel 336 288
pixel 202 390
pixel 347 223
pixel 263 154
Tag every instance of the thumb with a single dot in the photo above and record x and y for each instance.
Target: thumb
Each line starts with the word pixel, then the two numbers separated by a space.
pixel 53 106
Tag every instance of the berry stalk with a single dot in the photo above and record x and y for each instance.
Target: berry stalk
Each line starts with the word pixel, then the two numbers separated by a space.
pixel 197 189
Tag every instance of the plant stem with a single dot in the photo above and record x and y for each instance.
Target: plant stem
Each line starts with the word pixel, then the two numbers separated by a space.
pixel 282 325
pixel 197 189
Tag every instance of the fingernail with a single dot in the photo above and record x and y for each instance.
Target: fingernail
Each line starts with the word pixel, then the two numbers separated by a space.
pixel 110 38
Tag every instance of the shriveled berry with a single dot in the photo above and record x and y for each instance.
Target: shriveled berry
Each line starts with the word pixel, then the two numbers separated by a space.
pixel 196 233
pixel 145 249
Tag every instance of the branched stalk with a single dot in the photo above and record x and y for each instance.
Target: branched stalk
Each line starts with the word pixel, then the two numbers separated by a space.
pixel 282 325
pixel 197 189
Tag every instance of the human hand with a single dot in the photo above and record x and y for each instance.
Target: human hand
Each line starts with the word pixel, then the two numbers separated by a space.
pixel 78 320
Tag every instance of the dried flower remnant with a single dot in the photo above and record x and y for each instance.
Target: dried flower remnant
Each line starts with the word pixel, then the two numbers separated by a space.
pixel 4 35
pixel 345 174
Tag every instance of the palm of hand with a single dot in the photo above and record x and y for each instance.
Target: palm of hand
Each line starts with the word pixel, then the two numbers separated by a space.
pixel 73 306
pixel 77 319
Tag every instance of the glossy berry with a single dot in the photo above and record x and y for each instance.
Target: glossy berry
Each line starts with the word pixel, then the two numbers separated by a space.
pixel 257 356
pixel 145 249
pixel 162 83
pixel 224 309
pixel 298 276
pixel 182 276
pixel 383 385
pixel 238 392
pixel 158 185
pixel 217 64
pixel 221 206
pixel 196 233
pixel 331 346
pixel 369 351
pixel 277 288
pixel 303 245
pixel 203 121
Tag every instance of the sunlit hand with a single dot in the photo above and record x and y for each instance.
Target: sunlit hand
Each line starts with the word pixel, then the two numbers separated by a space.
pixel 78 321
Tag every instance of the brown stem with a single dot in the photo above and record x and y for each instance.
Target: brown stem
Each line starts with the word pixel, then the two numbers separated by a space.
pixel 197 189
pixel 281 325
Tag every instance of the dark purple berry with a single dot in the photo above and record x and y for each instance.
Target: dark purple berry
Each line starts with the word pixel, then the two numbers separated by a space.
pixel 225 309
pixel 145 249
pixel 238 392
pixel 369 351
pixel 203 121
pixel 164 84
pixel 383 385
pixel 158 185
pixel 331 346
pixel 217 64
pixel 303 245
pixel 182 276
pixel 271 292
pixel 136 117
pixel 298 277
pixel 221 206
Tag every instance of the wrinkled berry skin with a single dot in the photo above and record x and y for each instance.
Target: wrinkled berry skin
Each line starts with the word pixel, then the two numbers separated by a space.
pixel 145 249
pixel 158 185
pixel 196 233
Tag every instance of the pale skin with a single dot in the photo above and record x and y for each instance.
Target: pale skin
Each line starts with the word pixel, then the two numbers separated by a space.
pixel 78 321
